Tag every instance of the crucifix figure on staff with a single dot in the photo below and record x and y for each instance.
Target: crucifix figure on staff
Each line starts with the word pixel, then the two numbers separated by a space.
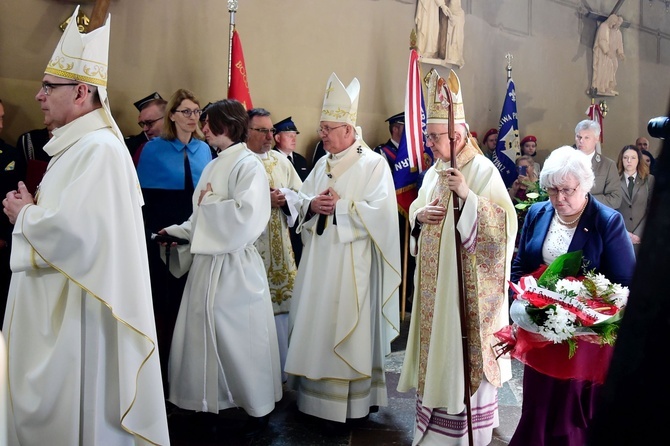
pixel 463 261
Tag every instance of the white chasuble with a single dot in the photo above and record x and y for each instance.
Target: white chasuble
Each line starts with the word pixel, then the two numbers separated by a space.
pixel 83 358
pixel 344 311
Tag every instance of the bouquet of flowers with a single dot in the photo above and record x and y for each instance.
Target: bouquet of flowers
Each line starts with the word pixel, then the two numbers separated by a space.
pixel 559 306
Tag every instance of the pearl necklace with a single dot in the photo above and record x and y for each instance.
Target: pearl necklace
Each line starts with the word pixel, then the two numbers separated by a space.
pixel 570 223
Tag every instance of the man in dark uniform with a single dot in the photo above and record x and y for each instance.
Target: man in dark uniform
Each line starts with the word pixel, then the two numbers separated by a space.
pixel 285 138
pixel 150 120
pixel 389 149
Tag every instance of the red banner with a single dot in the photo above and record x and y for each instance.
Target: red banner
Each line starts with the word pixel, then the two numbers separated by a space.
pixel 239 86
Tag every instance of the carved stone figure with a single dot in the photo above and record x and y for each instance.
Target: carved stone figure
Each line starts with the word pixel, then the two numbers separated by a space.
pixel 607 49
pixel 440 31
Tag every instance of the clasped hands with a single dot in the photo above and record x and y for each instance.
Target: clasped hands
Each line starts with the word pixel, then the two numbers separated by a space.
pixel 325 202
pixel 431 214
pixel 434 212
pixel 15 201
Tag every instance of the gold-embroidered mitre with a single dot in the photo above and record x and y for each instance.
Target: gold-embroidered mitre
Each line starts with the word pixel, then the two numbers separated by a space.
pixel 340 104
pixel 81 57
pixel 437 104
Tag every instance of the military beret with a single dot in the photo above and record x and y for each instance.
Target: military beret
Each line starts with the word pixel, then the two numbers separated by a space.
pixel 528 138
pixel 489 133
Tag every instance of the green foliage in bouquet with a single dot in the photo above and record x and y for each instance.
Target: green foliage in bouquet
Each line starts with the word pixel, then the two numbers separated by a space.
pixel 566 265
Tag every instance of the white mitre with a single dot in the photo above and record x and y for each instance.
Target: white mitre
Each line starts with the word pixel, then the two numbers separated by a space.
pixel 340 104
pixel 84 58
pixel 438 104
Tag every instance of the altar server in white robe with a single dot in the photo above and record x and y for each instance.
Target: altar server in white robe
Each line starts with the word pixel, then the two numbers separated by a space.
pixel 224 350
pixel 344 311
pixel 83 361
pixel 274 244
pixel 487 226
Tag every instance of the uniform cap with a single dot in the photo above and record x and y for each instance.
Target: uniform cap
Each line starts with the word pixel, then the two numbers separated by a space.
pixel 286 125
pixel 139 105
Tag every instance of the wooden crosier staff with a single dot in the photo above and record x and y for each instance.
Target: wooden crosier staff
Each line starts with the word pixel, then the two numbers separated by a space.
pixel 459 270
pixel 98 15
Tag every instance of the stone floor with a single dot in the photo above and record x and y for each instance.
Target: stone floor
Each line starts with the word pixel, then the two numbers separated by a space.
pixel 392 425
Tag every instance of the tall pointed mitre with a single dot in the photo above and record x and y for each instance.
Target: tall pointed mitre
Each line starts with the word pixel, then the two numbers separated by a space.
pixel 340 104
pixel 84 58
pixel 438 100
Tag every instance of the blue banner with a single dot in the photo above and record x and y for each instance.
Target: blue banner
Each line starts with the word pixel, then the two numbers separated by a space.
pixel 407 180
pixel 507 149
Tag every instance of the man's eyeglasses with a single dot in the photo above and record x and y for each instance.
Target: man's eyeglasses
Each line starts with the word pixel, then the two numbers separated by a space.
pixel 327 130
pixel 265 132
pixel 188 113
pixel 433 137
pixel 150 123
pixel 568 192
pixel 48 86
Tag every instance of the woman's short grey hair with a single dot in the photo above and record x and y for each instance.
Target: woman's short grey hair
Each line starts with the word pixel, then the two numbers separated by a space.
pixel 564 164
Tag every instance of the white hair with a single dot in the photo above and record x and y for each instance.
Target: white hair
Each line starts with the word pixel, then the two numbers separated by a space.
pixel 564 164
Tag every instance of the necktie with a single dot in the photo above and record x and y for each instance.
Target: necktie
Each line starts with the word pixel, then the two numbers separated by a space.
pixel 631 183
pixel 188 178
pixel 290 158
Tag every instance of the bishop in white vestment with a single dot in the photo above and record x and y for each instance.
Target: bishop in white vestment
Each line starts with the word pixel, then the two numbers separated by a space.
pixel 344 311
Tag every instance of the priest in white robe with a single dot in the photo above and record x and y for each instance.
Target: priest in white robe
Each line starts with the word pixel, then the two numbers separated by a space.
pixel 83 363
pixel 344 311
pixel 274 244
pixel 224 349
pixel 487 226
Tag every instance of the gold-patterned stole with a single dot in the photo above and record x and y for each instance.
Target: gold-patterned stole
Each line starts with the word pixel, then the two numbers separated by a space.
pixel 281 268
pixel 429 258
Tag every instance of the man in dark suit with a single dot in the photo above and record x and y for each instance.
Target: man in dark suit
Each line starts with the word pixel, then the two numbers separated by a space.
pixel 9 179
pixel 285 138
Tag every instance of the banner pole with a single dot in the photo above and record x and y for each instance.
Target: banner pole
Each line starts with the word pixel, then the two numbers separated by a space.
pixel 232 9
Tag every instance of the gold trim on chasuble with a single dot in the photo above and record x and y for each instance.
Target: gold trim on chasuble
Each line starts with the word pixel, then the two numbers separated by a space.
pixel 484 273
pixel 88 292
pixel 281 277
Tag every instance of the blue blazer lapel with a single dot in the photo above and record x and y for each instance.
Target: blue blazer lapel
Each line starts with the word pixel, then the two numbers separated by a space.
pixel 585 225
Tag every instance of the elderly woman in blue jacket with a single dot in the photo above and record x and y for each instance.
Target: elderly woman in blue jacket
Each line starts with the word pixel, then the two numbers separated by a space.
pixel 558 411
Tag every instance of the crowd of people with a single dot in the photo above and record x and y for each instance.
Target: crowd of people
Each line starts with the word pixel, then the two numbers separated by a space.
pixel 283 275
